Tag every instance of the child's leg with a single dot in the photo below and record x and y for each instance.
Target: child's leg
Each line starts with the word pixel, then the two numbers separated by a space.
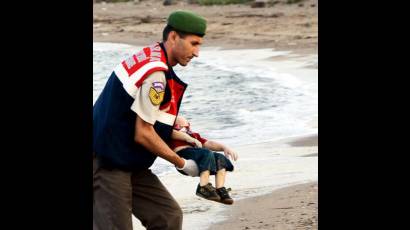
pixel 222 166
pixel 204 178
pixel 220 188
pixel 220 178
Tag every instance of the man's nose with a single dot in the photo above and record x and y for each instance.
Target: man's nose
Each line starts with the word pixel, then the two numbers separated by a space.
pixel 196 51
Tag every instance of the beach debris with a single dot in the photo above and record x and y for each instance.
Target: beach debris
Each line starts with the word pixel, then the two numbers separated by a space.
pixel 293 1
pixel 167 2
pixel 258 4
pixel 285 208
pixel 146 19
pixel 307 222
pixel 246 15
pixel 277 15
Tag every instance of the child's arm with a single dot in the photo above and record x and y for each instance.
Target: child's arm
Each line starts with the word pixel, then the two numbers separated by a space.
pixel 215 146
pixel 178 135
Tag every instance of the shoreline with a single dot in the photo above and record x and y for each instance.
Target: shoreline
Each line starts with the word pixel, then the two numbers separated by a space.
pixel 222 46
pixel 308 140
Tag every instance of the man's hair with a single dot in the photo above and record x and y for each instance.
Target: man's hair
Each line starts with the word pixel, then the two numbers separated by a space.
pixel 169 28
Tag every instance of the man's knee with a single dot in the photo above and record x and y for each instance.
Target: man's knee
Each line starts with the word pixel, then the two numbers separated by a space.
pixel 174 219
pixel 176 222
pixel 173 216
pixel 167 220
pixel 178 214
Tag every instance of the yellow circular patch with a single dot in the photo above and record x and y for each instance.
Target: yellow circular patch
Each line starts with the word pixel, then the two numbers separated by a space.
pixel 156 97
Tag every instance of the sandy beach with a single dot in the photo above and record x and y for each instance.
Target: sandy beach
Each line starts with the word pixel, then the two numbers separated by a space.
pixel 291 208
pixel 274 184
pixel 282 26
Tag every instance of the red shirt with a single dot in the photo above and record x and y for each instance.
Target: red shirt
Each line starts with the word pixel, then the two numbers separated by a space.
pixel 177 143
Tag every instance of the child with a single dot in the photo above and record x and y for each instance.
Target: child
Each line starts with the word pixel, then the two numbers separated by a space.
pixel 190 145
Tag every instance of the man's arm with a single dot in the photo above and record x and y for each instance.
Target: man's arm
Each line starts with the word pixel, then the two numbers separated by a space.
pixel 146 105
pixel 146 136
pixel 179 135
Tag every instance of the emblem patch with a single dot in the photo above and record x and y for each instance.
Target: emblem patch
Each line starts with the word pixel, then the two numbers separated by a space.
pixel 156 93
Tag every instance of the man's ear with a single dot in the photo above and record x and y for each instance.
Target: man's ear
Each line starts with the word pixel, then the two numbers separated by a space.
pixel 172 37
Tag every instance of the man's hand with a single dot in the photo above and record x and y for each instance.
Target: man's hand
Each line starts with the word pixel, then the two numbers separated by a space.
pixel 190 168
pixel 230 153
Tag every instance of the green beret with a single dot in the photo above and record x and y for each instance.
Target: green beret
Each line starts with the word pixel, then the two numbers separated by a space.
pixel 187 22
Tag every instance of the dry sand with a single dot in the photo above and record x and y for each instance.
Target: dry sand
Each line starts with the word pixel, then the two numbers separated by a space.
pixel 282 27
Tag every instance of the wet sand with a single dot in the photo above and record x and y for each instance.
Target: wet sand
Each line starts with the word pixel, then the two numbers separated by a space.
pixel 290 208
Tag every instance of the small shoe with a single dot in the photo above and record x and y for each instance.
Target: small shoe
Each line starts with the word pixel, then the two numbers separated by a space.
pixel 223 193
pixel 207 192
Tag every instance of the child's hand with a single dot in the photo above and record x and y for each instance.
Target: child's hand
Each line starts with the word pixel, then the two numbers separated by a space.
pixel 230 153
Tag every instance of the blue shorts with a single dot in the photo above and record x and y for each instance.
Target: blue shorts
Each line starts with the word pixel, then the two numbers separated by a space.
pixel 206 160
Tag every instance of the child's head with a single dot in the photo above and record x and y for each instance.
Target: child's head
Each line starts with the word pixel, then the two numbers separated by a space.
pixel 181 122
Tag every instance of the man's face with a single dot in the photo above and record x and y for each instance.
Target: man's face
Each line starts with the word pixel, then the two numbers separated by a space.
pixel 186 48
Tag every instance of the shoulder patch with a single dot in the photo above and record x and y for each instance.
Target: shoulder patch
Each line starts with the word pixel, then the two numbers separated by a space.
pixel 157 92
